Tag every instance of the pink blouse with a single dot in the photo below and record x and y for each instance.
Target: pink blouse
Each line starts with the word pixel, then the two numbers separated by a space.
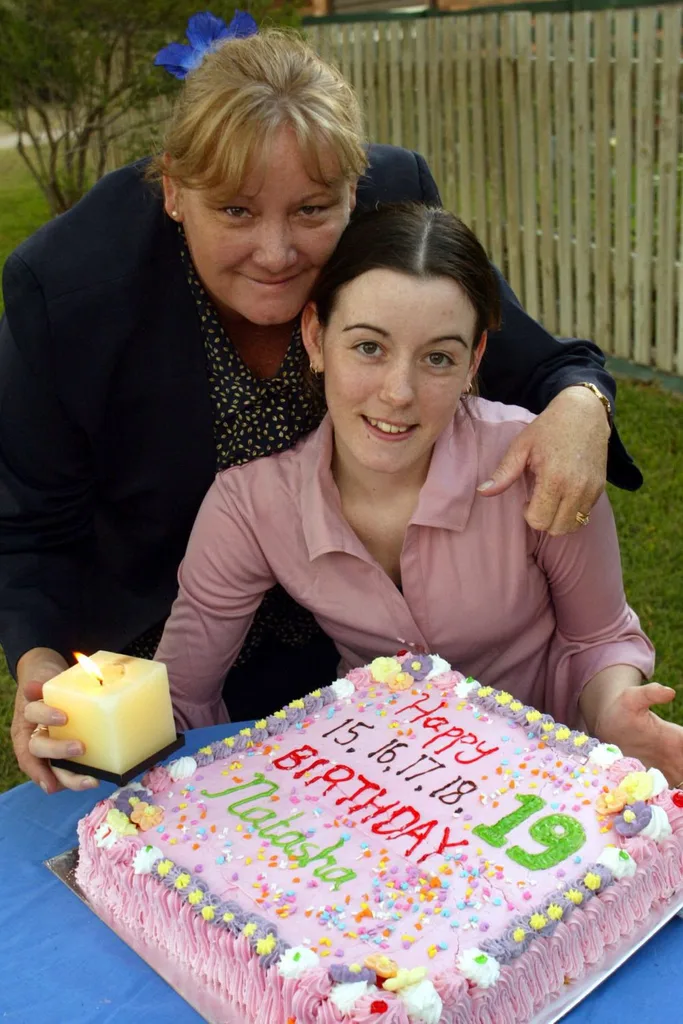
pixel 536 615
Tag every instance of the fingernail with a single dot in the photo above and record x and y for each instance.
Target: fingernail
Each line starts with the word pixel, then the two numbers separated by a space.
pixel 74 749
pixel 57 718
pixel 43 786
pixel 89 783
pixel 485 486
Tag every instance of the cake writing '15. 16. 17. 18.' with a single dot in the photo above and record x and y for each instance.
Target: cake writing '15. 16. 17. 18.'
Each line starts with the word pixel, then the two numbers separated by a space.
pixel 405 845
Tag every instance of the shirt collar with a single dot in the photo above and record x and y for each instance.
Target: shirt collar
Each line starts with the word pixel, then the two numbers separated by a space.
pixel 445 500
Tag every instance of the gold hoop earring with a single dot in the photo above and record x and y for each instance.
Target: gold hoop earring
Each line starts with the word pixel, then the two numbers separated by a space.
pixel 468 389
pixel 316 373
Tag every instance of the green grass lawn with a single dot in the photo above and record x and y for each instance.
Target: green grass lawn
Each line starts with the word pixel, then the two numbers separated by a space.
pixel 650 522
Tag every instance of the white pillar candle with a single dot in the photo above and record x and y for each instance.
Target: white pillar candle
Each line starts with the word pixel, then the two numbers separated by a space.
pixel 119 707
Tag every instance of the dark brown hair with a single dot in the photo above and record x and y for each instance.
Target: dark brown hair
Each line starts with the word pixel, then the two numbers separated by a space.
pixel 416 240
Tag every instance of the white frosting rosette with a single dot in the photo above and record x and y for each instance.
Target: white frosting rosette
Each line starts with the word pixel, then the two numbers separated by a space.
pixel 144 859
pixel 605 754
pixel 347 993
pixel 422 1002
pixel 343 688
pixel 439 667
pixel 619 862
pixel 659 826
pixel 105 836
pixel 478 967
pixel 182 768
pixel 296 960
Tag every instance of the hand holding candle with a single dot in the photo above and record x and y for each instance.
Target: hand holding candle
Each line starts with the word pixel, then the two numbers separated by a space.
pixel 119 707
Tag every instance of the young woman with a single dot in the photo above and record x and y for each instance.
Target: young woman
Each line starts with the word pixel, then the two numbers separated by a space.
pixel 374 523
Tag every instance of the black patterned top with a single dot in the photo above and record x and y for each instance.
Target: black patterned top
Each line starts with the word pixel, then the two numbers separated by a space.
pixel 252 417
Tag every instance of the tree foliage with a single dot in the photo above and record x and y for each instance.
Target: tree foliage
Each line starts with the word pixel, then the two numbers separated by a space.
pixel 77 78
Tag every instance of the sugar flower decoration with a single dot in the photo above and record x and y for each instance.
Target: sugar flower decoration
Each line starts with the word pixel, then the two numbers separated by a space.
pixel 401 681
pixel 204 33
pixel 404 978
pixel 385 669
pixel 120 823
pixel 343 688
pixel 612 802
pixel 126 798
pixel 147 816
pixel 637 786
pixel 418 665
pixel 633 819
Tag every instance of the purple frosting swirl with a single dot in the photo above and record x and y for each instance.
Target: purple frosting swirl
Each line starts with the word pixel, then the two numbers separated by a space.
pixel 276 726
pixel 220 750
pixel 203 759
pixel 312 704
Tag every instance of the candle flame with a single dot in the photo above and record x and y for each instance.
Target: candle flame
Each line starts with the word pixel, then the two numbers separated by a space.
pixel 89 665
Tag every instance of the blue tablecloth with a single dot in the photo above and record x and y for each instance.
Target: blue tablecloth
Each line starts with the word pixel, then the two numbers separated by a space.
pixel 60 965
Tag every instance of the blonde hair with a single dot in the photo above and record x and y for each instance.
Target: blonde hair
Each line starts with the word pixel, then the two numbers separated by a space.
pixel 231 106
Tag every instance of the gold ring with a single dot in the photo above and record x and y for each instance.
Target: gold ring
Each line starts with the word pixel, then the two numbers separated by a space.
pixel 582 520
pixel 39 730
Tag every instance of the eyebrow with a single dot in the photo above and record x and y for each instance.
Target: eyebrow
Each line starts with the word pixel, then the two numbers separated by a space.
pixel 385 334
pixel 321 193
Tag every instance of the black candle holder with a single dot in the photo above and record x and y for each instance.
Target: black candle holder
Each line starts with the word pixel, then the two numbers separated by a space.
pixel 120 780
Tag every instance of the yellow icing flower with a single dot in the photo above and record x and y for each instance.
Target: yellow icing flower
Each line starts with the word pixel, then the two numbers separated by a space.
pixel 563 733
pixel 229 741
pixel 265 946
pixel 519 935
pixel 612 802
pixel 383 966
pixel 580 739
pixel 249 929
pixel 195 897
pixel 402 681
pixel 208 913
pixel 537 922
pixel 298 704
pixel 120 823
pixel 484 691
pixel 592 881
pixel 355 968
pixel 261 724
pixel 205 750
pixel 548 726
pixel 637 786
pixel 503 697
pixel 146 815
pixel 516 705
pixel 182 881
pixel 533 716
pixel 163 867
pixel 227 917
pixel 316 693
pixel 629 816
pixel 404 978
pixel 280 714
pixel 245 732
pixel 574 896
pixel 554 912
pixel 133 800
pixel 384 669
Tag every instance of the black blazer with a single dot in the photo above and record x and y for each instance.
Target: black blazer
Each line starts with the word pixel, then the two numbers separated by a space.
pixel 106 438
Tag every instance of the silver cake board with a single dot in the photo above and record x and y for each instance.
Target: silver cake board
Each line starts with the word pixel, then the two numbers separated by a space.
pixel 212 1008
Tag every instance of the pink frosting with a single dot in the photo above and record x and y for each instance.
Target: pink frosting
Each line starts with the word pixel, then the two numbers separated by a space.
pixel 447 680
pixel 360 677
pixel 157 780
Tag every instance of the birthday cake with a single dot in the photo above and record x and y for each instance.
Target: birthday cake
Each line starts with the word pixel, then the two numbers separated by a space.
pixel 404 845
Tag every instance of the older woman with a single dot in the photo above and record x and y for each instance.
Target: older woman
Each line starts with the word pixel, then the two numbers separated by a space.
pixel 387 536
pixel 152 337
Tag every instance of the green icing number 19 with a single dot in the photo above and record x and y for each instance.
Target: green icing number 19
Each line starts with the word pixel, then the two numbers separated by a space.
pixel 559 833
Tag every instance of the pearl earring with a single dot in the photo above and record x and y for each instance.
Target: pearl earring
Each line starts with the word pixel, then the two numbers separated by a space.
pixel 174 213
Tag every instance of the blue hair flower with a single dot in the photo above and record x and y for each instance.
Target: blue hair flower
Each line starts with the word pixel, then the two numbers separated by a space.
pixel 204 32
